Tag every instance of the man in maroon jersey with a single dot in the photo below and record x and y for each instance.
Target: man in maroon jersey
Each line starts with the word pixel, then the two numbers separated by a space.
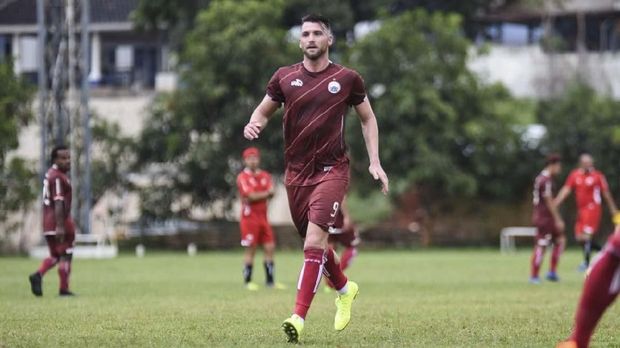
pixel 58 226
pixel 547 219
pixel 255 189
pixel 317 94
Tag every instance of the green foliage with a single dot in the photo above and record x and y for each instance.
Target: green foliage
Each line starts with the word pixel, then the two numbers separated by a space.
pixel 113 157
pixel 581 120
pixel 440 126
pixel 15 96
pixel 228 58
pixel 16 177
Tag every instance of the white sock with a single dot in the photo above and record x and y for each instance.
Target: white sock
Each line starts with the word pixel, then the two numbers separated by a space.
pixel 344 289
pixel 300 318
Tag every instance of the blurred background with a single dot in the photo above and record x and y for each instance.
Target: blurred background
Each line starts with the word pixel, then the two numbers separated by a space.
pixel 152 97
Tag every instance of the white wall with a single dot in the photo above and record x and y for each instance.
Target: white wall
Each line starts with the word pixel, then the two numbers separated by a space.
pixel 529 72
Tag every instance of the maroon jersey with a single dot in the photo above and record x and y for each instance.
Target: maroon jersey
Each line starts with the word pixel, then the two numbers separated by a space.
pixel 315 105
pixel 56 187
pixel 543 187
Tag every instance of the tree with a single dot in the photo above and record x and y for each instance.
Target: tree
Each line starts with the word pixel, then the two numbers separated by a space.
pixel 580 120
pixel 197 131
pixel 442 130
pixel 16 188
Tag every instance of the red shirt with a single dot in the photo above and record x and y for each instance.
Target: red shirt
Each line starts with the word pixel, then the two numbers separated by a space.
pixel 315 105
pixel 543 187
pixel 56 187
pixel 249 182
pixel 587 186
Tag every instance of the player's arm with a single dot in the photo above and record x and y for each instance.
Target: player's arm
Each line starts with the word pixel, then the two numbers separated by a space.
pixel 260 117
pixel 59 209
pixel 553 208
pixel 613 209
pixel 370 130
pixel 246 192
pixel 562 195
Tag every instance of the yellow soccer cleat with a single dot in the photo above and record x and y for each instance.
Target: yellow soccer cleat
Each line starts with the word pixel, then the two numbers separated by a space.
pixel 292 328
pixel 343 306
pixel 252 286
pixel 277 286
pixel 567 344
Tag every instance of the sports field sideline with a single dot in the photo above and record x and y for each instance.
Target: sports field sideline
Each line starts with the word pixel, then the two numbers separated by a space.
pixel 436 298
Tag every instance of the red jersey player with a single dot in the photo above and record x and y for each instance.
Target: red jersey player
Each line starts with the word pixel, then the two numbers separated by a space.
pixel 548 222
pixel 58 226
pixel 589 185
pixel 316 94
pixel 255 188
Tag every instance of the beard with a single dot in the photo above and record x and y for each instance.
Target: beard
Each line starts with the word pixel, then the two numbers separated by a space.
pixel 316 55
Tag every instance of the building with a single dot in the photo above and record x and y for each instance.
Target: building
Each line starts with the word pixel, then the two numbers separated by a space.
pixel 536 48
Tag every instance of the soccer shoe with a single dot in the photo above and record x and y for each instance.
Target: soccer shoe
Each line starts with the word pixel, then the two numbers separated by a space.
pixel 552 277
pixel 277 286
pixel 66 293
pixel 534 280
pixel 252 286
pixel 582 267
pixel 343 306
pixel 292 328
pixel 35 284
pixel 567 344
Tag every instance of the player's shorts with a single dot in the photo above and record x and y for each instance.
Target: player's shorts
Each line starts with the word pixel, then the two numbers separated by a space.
pixel 319 204
pixel 255 231
pixel 588 220
pixel 546 231
pixel 58 248
pixel 348 239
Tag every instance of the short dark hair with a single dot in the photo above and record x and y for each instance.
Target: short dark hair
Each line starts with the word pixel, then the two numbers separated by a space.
pixel 553 158
pixel 316 18
pixel 56 149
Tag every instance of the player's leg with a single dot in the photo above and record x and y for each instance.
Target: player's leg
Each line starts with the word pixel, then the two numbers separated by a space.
pixel 600 290
pixel 559 243
pixel 66 257
pixel 36 278
pixel 249 242
pixel 538 254
pixel 348 255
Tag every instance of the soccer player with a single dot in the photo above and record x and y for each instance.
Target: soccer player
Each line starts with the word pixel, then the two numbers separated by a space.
pixel 589 184
pixel 316 94
pixel 547 219
pixel 255 189
pixel 58 226
pixel 599 292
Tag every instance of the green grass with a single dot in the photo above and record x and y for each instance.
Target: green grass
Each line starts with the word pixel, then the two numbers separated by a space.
pixel 440 298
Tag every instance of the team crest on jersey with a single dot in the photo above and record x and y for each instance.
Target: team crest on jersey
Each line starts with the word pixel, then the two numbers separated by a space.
pixel 333 87
pixel 297 83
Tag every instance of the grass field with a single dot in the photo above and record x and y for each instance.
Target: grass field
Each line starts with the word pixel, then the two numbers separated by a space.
pixel 440 298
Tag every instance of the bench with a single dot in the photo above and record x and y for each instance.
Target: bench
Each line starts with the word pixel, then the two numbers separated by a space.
pixel 508 235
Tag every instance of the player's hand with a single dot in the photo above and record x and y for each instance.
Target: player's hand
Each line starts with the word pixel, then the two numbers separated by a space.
pixel 559 225
pixel 378 174
pixel 251 130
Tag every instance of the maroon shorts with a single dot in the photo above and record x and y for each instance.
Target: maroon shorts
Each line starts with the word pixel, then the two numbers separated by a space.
pixel 546 230
pixel 319 204
pixel 255 231
pixel 347 239
pixel 61 248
